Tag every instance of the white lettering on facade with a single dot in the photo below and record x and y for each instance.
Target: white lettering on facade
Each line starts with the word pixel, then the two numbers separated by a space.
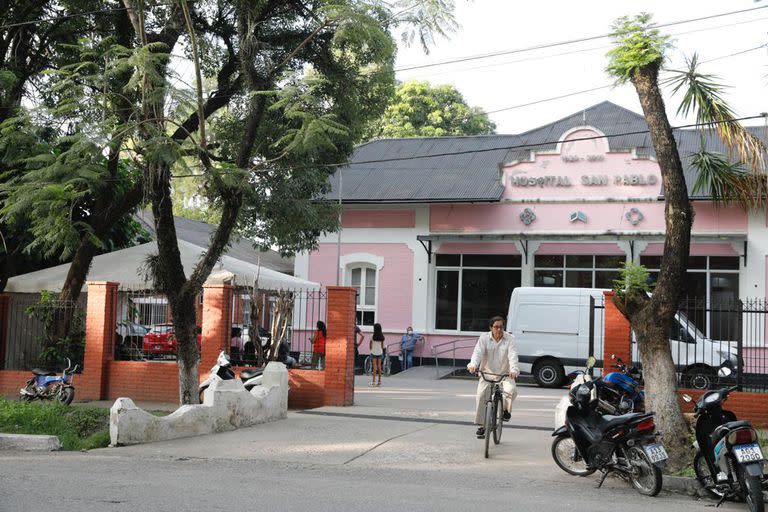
pixel 587 180
pixel 521 180
pixel 591 181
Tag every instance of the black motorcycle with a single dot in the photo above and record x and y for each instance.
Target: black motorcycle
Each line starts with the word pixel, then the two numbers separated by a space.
pixel 626 444
pixel 728 461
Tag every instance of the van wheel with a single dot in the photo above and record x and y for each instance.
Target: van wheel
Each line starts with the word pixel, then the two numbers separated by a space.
pixel 699 378
pixel 548 373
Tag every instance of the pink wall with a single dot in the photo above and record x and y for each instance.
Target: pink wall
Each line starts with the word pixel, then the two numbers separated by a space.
pixel 378 218
pixel 713 249
pixel 571 248
pixel 582 169
pixel 505 217
pixel 479 248
pixel 395 293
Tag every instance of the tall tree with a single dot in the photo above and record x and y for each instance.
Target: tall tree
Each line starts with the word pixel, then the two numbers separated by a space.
pixel 301 80
pixel 637 57
pixel 423 110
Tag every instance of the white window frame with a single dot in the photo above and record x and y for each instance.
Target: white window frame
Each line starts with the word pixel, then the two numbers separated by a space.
pixel 363 261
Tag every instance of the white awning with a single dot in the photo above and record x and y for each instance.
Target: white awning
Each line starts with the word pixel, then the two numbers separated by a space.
pixel 125 267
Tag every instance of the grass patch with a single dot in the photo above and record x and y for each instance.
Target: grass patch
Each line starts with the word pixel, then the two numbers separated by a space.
pixel 77 427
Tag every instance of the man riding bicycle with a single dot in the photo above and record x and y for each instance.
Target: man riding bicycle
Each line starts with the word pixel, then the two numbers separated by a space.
pixel 495 352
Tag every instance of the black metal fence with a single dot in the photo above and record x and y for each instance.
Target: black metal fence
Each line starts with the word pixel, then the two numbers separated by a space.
pixel 265 320
pixel 143 328
pixel 43 331
pixel 705 337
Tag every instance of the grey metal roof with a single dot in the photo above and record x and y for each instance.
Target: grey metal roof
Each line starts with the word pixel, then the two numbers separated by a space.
pixel 199 233
pixel 466 169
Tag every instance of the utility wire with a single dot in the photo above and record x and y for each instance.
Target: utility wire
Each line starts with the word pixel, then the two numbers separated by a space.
pixel 565 42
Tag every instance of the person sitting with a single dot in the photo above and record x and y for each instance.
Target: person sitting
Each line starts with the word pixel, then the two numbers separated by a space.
pixel 284 355
pixel 235 344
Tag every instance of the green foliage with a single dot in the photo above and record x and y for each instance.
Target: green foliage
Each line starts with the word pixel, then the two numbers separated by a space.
pixel 633 278
pixel 422 110
pixel 77 427
pixel 637 45
pixel 63 330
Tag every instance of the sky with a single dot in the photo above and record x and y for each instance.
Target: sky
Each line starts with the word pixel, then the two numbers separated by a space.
pixel 525 77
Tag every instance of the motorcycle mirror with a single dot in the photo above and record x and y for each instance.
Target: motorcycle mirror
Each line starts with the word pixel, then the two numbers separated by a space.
pixel 687 398
pixel 591 362
pixel 613 356
pixel 724 371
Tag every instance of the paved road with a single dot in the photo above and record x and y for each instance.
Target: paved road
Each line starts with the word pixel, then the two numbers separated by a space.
pixel 407 446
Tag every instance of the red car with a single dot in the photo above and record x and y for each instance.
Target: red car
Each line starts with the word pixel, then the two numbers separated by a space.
pixel 160 341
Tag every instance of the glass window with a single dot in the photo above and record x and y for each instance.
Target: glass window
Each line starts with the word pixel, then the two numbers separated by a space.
pixel 699 262
pixel 548 261
pixel 447 299
pixel 448 260
pixel 610 261
pixel 724 262
pixel 605 279
pixel 485 294
pixel 546 277
pixel 363 280
pixel 650 262
pixel 578 279
pixel 491 260
pixel 574 261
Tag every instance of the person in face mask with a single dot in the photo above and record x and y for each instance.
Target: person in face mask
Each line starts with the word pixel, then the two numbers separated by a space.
pixel 407 344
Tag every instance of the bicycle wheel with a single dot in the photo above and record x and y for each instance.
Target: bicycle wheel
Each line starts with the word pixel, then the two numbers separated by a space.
pixel 386 366
pixel 489 416
pixel 498 409
pixel 368 366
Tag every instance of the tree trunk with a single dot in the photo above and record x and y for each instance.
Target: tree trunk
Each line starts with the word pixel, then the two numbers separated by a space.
pixel 651 322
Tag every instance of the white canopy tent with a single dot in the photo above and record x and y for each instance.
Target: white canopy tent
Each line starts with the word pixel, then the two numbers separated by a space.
pixel 124 267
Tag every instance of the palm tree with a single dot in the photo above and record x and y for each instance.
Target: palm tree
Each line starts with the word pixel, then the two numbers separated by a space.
pixel 638 57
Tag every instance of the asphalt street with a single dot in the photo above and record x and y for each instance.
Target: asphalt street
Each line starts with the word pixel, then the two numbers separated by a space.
pixel 407 446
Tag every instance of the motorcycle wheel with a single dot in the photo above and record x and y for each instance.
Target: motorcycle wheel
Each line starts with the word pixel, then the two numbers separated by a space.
pixel 568 458
pixel 645 477
pixel 704 476
pixel 753 491
pixel 66 395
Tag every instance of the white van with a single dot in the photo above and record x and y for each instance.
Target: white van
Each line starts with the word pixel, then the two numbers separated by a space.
pixel 552 330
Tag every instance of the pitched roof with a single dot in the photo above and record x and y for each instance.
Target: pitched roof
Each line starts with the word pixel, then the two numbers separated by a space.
pixel 199 234
pixel 466 169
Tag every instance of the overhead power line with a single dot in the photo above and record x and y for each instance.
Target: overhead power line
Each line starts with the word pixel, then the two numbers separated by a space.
pixel 566 42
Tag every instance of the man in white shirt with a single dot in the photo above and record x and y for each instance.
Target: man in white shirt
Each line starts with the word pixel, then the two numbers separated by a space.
pixel 495 352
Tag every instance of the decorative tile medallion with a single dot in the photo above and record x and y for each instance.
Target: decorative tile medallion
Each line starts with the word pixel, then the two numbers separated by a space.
pixel 527 216
pixel 579 216
pixel 634 216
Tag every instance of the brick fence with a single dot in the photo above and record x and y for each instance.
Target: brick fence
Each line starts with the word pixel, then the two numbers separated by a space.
pixel 746 406
pixel 103 378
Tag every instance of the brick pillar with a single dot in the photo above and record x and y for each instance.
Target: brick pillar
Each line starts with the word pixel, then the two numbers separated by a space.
pixel 5 304
pixel 618 337
pixel 339 347
pixel 100 324
pixel 217 324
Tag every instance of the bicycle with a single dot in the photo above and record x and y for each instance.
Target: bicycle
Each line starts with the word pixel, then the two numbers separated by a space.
pixel 494 409
pixel 386 365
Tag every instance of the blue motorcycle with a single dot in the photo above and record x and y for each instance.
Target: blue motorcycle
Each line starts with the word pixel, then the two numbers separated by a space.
pixel 622 391
pixel 46 385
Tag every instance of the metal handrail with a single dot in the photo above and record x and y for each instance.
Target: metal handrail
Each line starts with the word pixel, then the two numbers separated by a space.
pixel 470 343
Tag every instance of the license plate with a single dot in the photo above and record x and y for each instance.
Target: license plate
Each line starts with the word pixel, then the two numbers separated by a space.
pixel 655 452
pixel 748 452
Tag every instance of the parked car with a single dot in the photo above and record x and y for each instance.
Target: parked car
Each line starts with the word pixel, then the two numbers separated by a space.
pixel 161 341
pixel 264 335
pixel 129 340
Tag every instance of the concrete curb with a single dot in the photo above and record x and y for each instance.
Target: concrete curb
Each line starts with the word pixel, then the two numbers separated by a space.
pixel 29 442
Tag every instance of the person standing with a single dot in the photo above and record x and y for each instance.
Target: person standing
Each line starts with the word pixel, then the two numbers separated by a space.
pixel 407 345
pixel 377 352
pixel 495 352
pixel 359 337
pixel 318 346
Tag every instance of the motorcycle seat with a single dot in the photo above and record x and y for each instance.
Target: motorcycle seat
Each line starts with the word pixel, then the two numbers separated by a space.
pixel 723 430
pixel 47 373
pixel 250 373
pixel 608 422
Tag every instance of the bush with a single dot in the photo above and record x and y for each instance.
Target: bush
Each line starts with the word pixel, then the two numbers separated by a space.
pixel 633 278
pixel 77 427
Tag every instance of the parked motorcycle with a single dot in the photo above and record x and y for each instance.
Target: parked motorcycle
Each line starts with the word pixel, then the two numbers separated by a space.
pixel 251 377
pixel 728 461
pixel 622 391
pixel 626 444
pixel 46 385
